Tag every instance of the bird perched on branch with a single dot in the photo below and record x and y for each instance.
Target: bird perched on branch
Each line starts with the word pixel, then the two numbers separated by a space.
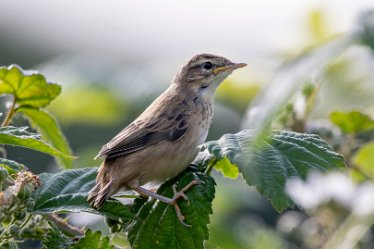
pixel 163 140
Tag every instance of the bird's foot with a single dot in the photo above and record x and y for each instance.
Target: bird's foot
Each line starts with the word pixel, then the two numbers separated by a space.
pixel 170 201
pixel 181 194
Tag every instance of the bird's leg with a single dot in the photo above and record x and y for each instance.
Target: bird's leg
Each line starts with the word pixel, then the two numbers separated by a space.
pixel 170 201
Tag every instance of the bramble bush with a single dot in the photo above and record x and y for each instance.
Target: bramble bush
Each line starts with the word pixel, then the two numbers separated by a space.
pixel 275 162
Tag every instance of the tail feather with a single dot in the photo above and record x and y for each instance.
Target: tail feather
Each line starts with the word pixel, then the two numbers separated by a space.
pixel 93 194
pixel 102 190
pixel 103 195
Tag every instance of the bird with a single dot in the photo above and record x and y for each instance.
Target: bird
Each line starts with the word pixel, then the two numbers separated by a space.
pixel 164 139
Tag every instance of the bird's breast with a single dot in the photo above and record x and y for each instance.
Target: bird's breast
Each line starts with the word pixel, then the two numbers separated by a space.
pixel 201 121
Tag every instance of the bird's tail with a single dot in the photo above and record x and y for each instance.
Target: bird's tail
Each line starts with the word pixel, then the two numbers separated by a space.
pixel 102 190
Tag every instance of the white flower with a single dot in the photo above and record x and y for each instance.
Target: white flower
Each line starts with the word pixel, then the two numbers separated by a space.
pixel 319 189
pixel 363 201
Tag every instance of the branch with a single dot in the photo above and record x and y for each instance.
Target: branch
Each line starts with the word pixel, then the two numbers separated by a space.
pixel 64 226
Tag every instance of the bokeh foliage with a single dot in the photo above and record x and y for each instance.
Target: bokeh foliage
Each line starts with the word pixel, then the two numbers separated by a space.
pixel 267 165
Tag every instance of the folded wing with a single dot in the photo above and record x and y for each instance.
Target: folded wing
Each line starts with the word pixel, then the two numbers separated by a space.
pixel 138 136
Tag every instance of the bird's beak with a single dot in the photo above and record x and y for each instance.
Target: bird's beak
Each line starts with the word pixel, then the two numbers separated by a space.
pixel 230 67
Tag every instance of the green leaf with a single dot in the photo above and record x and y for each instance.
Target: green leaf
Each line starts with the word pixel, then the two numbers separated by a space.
pixel 51 132
pixel 93 240
pixel 281 155
pixel 156 225
pixel 55 239
pixel 227 169
pixel 67 191
pixel 364 160
pixel 19 136
pixel 352 122
pixel 11 166
pixel 29 88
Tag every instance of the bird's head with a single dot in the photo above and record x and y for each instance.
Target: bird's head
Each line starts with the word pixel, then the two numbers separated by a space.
pixel 204 72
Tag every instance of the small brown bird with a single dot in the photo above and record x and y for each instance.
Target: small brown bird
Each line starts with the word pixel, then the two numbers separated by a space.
pixel 164 139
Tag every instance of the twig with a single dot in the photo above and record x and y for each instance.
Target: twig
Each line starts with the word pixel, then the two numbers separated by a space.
pixel 64 226
pixel 10 113
pixel 210 166
pixel 127 196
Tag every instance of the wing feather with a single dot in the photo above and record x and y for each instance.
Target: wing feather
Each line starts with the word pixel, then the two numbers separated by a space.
pixel 138 136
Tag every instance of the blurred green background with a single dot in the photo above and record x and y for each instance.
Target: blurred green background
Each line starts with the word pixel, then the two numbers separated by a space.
pixel 113 58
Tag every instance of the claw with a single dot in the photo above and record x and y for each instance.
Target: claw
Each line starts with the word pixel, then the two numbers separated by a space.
pixel 179 194
pixel 172 201
pixel 180 215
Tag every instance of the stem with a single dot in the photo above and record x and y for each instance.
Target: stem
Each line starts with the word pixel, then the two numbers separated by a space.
pixel 210 166
pixel 65 227
pixel 350 232
pixel 127 196
pixel 10 113
pixel 26 221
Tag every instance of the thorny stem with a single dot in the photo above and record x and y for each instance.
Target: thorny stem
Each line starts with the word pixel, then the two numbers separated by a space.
pixel 10 113
pixel 64 226
pixel 210 166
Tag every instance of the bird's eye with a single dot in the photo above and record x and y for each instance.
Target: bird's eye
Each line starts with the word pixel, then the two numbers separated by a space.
pixel 207 65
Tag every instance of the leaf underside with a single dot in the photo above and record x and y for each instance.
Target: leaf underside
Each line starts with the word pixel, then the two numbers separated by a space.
pixel 19 136
pixel 28 88
pixel 278 157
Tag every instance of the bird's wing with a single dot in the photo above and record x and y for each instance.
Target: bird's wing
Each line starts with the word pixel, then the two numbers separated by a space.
pixel 138 135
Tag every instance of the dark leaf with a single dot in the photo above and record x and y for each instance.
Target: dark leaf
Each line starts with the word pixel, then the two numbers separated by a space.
pixel 156 225
pixel 67 191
